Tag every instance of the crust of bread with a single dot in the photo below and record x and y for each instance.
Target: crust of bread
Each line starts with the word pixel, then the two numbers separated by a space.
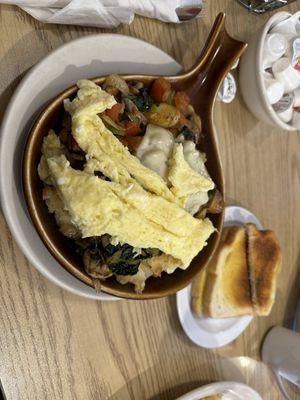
pixel 227 289
pixel 197 292
pixel 264 261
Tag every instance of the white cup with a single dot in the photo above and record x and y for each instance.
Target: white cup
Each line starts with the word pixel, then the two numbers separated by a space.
pixel 273 87
pixel 290 49
pixel 287 26
pixel 275 46
pixel 296 98
pixel 284 107
pixel 296 17
pixel 281 351
pixel 296 120
pixel 284 72
pixel 286 115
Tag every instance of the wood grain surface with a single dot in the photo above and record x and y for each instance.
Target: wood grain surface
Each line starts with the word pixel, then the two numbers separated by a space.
pixel 55 345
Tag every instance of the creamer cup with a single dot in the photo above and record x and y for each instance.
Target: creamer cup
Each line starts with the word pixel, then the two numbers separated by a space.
pixel 284 107
pixel 284 72
pixel 274 47
pixel 228 89
pixel 297 98
pixel 274 88
pixel 287 26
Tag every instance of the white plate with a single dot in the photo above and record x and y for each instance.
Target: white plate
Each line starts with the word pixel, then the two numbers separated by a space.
pixel 214 332
pixel 233 391
pixel 86 57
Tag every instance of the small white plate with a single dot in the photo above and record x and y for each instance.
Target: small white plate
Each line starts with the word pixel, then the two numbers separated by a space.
pixel 214 332
pixel 231 391
pixel 86 57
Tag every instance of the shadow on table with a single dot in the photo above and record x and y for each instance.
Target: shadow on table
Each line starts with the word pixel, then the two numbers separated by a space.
pixel 149 386
pixel 293 298
pixel 184 365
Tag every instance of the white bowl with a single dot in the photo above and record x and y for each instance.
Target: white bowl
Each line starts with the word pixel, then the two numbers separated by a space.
pixel 232 390
pixel 86 57
pixel 251 76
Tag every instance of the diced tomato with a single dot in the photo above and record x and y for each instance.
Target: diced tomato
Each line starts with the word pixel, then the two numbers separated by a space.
pixel 132 142
pixel 182 101
pixel 159 88
pixel 131 128
pixel 297 109
pixel 114 112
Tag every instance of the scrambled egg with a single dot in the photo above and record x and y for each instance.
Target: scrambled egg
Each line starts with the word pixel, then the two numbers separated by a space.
pixel 62 216
pixel 51 147
pixel 98 142
pixel 136 206
pixel 95 209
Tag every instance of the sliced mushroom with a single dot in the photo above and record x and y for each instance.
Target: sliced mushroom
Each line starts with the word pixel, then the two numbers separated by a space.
pixel 94 268
pixel 216 203
pixel 133 110
pixel 116 81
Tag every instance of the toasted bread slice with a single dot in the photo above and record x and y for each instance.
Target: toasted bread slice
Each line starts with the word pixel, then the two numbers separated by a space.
pixel 197 292
pixel 264 262
pixel 227 289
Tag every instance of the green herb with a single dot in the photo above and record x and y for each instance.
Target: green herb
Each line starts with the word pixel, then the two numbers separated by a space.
pixel 120 259
pixel 170 99
pixel 133 117
pixel 152 252
pixel 112 126
pixel 211 193
pixel 154 107
pixel 124 269
pixel 143 100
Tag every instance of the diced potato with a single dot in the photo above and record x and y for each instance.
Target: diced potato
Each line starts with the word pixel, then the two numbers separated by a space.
pixel 164 115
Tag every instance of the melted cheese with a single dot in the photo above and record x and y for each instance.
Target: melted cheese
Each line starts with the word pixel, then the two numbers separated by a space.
pixel 184 179
pixel 95 209
pixel 155 149
pixel 139 279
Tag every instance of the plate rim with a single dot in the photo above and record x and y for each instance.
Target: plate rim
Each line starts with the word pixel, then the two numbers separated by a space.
pixel 182 294
pixel 6 207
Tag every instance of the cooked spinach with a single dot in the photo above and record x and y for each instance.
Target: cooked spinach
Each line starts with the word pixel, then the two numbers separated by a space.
pixel 121 259
pixel 143 100
pixel 124 269
pixel 188 134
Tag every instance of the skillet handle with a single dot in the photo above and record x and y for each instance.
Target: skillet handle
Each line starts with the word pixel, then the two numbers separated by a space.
pixel 219 54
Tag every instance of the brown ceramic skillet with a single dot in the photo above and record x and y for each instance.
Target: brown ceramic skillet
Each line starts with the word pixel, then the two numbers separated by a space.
pixel 201 83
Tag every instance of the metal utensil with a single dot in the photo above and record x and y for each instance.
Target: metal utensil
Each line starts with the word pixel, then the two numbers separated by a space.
pixel 261 6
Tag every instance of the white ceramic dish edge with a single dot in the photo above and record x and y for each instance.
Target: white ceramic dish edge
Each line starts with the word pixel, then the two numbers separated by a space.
pixel 12 206
pixel 207 332
pixel 238 389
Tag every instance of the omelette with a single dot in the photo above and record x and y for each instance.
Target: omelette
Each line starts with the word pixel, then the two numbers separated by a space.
pixel 127 220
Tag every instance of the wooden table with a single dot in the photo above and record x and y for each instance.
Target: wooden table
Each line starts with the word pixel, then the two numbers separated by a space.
pixel 55 345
